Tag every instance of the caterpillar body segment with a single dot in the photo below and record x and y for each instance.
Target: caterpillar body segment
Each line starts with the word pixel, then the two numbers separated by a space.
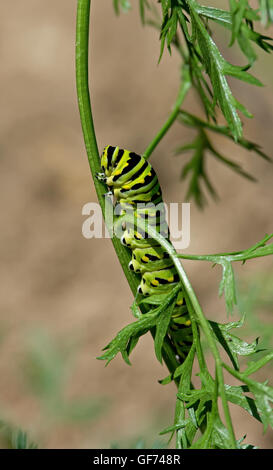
pixel 135 187
pixel 152 258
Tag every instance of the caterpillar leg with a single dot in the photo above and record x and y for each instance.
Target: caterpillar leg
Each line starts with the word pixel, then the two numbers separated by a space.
pixel 101 177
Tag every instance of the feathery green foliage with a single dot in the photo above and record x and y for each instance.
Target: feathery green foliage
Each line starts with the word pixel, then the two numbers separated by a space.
pixel 198 408
pixel 184 25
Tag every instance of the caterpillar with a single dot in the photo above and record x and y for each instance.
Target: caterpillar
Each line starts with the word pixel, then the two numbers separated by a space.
pixel 133 183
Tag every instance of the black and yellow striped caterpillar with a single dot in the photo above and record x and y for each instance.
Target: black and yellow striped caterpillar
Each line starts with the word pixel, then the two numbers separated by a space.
pixel 134 184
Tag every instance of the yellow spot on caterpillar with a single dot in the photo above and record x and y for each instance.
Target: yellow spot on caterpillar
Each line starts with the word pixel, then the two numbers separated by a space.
pixel 138 235
pixel 150 174
pixel 117 172
pixel 179 302
pixel 126 186
pixel 155 282
pixel 145 258
pixel 142 181
pixel 170 279
pixel 188 323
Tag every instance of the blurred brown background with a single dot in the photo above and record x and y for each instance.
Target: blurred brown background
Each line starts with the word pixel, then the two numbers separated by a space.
pixel 64 297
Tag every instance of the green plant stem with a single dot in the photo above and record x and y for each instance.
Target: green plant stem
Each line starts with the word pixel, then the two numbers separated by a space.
pixel 82 82
pixel 240 256
pixel 184 88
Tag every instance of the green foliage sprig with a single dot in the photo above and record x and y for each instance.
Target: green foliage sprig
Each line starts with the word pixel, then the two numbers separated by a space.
pixel 198 408
pixel 184 25
pixel 205 70
pixel 202 147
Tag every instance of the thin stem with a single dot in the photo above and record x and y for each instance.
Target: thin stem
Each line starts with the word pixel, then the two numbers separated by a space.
pixel 184 88
pixel 229 257
pixel 82 40
pixel 82 82
pixel 257 251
